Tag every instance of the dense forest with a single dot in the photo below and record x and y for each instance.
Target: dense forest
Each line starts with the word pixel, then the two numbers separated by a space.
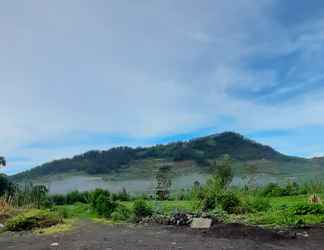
pixel 200 150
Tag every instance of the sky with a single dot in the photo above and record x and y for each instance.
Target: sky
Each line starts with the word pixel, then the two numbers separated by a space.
pixel 81 75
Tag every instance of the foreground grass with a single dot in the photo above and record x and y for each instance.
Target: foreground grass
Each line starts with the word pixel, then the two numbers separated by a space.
pixel 276 216
pixel 66 226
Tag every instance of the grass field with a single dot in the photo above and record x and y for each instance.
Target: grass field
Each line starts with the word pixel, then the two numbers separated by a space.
pixel 276 216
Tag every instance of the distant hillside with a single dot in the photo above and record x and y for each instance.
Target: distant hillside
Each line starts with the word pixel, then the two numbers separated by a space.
pixel 197 152
pixel 318 160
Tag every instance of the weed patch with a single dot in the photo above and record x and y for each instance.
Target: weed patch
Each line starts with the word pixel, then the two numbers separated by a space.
pixel 33 219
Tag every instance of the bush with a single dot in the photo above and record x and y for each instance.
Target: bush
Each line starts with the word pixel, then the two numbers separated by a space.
pixel 95 195
pixel 121 213
pixel 218 214
pixel 33 219
pixel 76 196
pixel 58 199
pixel 290 219
pixel 121 196
pixel 272 190
pixel 142 209
pixel 292 188
pixel 104 206
pixel 314 186
pixel 228 202
pixel 208 203
pixel 306 209
pixel 63 212
pixel 258 204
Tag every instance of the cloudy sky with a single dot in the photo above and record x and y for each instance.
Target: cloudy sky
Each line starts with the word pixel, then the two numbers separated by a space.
pixel 80 75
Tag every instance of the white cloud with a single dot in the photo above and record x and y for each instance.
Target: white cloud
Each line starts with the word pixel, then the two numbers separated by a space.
pixel 142 68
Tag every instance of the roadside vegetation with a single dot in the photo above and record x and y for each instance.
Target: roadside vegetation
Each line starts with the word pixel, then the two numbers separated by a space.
pixel 30 207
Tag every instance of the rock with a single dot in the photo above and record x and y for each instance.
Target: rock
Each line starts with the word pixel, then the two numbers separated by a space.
pixel 303 234
pixel 54 244
pixel 203 223
pixel 204 215
pixel 1 225
pixel 181 219
pixel 287 234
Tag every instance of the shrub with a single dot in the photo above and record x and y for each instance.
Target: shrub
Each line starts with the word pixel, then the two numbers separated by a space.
pixel 208 203
pixel 272 190
pixel 33 219
pixel 292 188
pixel 314 186
pixel 63 212
pixel 58 199
pixel 121 196
pixel 121 213
pixel 104 206
pixel 218 214
pixel 228 202
pixel 258 204
pixel 305 209
pixel 76 196
pixel 95 195
pixel 142 209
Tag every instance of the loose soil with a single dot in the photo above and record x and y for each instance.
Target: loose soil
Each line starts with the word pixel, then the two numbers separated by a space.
pixel 95 236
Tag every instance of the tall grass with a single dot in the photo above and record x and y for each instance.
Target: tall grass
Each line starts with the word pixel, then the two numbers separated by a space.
pixel 28 196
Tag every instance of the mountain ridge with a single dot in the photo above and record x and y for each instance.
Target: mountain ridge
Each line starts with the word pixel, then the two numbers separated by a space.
pixel 199 152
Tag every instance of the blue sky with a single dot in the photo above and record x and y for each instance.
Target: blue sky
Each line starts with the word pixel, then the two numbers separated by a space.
pixel 81 75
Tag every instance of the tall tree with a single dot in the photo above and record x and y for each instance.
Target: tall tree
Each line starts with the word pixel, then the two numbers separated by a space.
pixel 163 182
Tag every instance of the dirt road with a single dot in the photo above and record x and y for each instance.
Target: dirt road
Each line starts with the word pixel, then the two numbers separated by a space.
pixel 92 236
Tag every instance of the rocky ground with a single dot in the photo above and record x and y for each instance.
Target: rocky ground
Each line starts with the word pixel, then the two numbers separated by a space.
pixel 94 236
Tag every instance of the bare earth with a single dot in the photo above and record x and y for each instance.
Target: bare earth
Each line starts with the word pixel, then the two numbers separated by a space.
pixel 93 236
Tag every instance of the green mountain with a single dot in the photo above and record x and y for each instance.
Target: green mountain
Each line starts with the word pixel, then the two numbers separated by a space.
pixel 188 156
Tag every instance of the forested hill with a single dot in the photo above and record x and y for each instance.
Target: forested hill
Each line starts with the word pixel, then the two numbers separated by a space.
pixel 200 151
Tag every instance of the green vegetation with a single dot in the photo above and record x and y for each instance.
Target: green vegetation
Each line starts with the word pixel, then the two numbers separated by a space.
pixel 142 209
pixel 33 219
pixel 271 205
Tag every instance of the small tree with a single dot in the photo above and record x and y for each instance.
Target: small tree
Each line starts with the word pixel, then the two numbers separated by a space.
pixel 223 172
pixel 163 182
pixel 251 175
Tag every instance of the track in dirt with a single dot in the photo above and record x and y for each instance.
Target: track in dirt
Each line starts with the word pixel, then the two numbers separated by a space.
pixel 92 236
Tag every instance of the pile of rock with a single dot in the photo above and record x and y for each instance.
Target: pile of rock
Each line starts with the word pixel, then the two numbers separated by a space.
pixel 156 219
pixel 181 219
pixel 178 219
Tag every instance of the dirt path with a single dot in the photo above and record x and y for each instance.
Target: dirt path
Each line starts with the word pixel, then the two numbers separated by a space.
pixel 92 236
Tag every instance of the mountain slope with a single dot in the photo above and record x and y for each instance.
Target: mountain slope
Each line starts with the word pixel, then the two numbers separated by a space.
pixel 197 152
